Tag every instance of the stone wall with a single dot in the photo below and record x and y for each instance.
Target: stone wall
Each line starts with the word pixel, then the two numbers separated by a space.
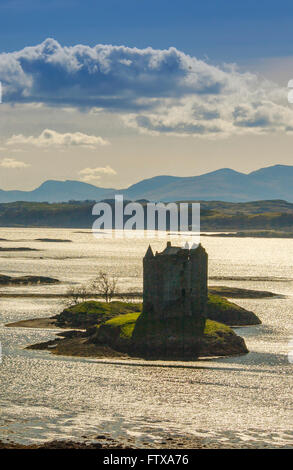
pixel 175 282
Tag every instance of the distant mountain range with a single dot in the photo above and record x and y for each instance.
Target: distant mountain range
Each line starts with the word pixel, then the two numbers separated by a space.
pixel 274 182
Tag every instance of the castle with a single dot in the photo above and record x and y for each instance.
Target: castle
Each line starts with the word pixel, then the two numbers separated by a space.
pixel 175 282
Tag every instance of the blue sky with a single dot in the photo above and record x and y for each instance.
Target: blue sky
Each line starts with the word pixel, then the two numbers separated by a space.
pixel 110 92
pixel 221 29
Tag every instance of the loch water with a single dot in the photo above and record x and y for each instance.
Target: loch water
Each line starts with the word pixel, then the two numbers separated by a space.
pixel 243 401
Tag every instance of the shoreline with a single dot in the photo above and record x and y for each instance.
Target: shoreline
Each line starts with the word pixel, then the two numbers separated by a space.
pixel 79 347
pixel 104 441
pixel 74 343
pixel 48 323
pixel 78 336
pixel 45 323
pixel 224 291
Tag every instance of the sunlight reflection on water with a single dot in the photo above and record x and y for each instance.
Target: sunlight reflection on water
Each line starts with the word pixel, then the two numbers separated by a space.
pixel 243 400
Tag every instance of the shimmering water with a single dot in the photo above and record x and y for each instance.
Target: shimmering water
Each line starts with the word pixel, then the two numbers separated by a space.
pixel 239 401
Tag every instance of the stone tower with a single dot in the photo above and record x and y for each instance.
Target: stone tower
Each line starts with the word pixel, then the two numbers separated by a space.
pixel 175 282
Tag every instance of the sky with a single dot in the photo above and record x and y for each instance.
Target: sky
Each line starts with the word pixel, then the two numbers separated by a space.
pixel 112 92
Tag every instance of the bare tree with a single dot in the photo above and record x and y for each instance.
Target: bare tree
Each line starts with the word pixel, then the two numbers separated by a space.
pixel 76 294
pixel 105 286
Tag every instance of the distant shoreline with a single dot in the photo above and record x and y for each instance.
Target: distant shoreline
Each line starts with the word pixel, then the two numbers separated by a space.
pixel 222 232
pixel 251 234
pixel 216 216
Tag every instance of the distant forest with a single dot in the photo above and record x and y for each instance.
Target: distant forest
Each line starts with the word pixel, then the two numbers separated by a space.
pixel 215 215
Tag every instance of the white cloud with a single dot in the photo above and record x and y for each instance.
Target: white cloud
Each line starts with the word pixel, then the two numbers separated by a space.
pixel 92 175
pixel 12 163
pixel 155 91
pixel 51 138
pixel 214 118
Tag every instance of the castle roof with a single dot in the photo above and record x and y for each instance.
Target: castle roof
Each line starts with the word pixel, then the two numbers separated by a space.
pixel 171 250
pixel 149 252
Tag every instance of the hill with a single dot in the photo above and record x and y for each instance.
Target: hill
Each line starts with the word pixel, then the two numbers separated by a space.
pixel 274 182
pixel 215 215
pixel 58 191
pixel 225 185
